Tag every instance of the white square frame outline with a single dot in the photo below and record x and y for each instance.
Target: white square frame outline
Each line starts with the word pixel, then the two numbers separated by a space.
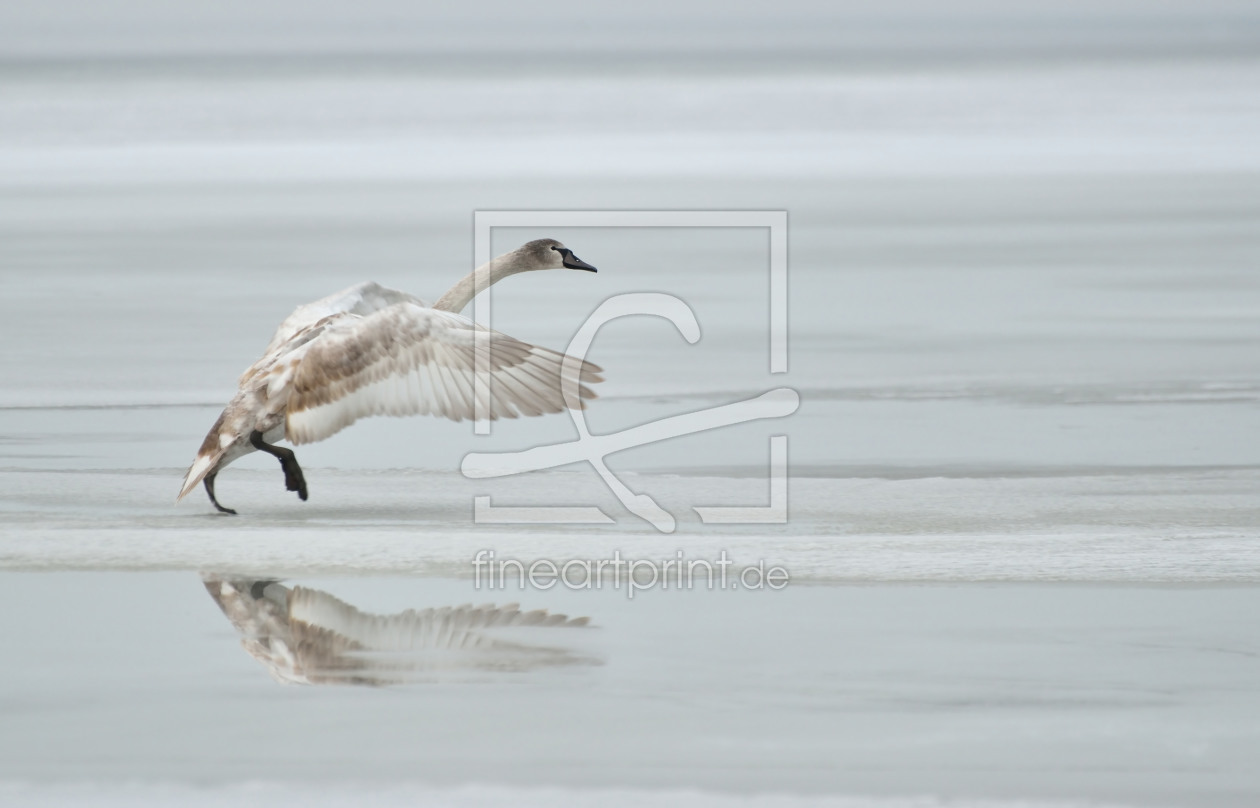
pixel 775 220
pixel 484 221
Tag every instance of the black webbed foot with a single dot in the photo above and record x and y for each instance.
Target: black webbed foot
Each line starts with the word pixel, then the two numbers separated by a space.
pixel 293 477
pixel 209 482
pixel 294 480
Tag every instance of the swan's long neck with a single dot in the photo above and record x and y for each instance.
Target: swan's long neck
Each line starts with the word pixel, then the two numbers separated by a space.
pixel 481 279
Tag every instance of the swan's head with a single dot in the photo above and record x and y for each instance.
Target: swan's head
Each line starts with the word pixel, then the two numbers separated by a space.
pixel 547 253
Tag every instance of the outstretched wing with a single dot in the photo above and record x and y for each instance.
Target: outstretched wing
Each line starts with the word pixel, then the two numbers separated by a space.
pixel 307 636
pixel 411 360
pixel 362 299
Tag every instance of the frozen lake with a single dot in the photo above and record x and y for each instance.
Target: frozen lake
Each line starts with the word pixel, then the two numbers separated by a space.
pixel 975 404
pixel 1024 325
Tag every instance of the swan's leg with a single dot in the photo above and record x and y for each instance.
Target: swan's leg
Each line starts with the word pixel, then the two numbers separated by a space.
pixel 209 481
pixel 293 478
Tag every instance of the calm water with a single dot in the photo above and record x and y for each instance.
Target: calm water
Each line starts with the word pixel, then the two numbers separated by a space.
pixel 1128 695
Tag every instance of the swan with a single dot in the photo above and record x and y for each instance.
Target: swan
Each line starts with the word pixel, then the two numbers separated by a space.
pixel 307 636
pixel 369 350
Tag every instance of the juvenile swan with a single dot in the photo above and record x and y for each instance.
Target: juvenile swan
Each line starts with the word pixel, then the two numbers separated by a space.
pixel 369 350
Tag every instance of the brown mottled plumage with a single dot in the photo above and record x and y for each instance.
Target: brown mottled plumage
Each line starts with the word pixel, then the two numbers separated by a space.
pixel 369 351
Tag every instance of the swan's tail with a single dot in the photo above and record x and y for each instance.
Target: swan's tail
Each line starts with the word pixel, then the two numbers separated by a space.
pixel 208 458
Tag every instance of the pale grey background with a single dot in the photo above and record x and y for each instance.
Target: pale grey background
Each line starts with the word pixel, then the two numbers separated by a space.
pixel 1025 325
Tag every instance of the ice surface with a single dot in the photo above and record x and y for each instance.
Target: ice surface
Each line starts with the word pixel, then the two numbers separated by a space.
pixel 1081 412
pixel 1024 325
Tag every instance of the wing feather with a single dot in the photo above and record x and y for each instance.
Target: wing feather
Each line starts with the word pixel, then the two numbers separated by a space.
pixel 407 359
pixel 443 385
pixel 508 386
pixel 362 299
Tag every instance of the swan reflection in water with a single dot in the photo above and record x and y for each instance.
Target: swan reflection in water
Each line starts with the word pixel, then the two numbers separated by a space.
pixel 306 636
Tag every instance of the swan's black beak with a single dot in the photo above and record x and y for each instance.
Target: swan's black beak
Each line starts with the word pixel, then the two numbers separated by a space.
pixel 573 262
